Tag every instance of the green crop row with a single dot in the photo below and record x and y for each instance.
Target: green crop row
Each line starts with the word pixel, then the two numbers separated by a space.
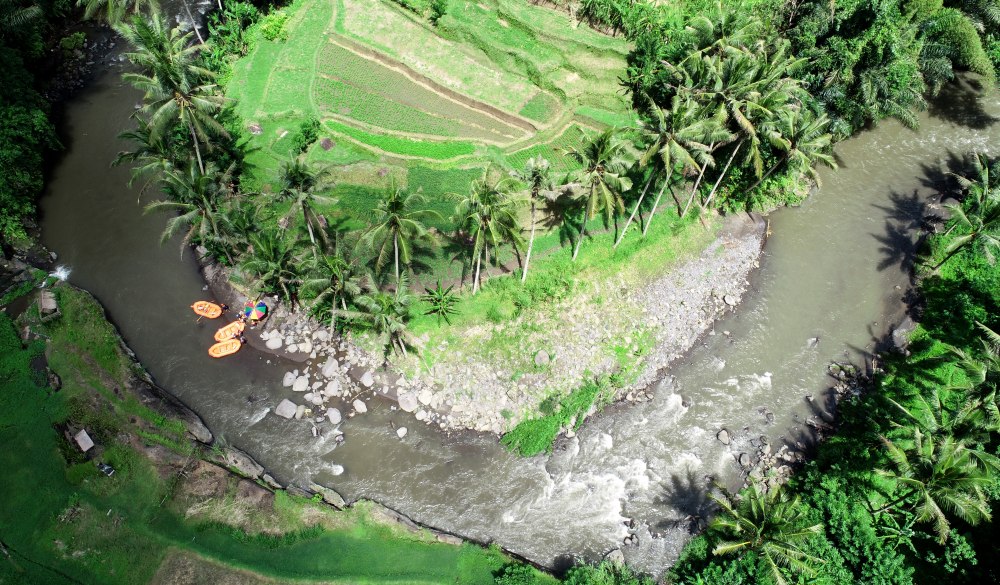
pixel 404 146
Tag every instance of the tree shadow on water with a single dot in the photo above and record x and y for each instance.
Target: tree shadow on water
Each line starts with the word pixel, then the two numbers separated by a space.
pixel 904 218
pixel 959 103
pixel 689 496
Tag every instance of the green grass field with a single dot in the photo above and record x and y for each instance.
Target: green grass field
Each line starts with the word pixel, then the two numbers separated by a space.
pixel 426 106
pixel 64 522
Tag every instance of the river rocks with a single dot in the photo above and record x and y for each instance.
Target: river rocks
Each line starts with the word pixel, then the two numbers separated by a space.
pixel 285 408
pixel 300 411
pixel 334 416
pixel 242 462
pixel 367 379
pixel 330 367
pixel 425 397
pixel 408 402
pixel 542 358
pixel 743 460
pixel 288 380
pixel 336 469
pixel 273 342
pixel 723 436
pixel 301 384
pixel 332 388
pixel 317 399
pixel 616 556
pixel 360 406
pixel 329 496
pixel 730 300
pixel 401 432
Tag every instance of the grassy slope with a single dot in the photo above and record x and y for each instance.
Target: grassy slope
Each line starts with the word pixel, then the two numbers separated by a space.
pixel 346 63
pixel 64 523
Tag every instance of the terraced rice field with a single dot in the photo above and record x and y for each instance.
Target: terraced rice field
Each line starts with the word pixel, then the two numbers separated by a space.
pixel 496 81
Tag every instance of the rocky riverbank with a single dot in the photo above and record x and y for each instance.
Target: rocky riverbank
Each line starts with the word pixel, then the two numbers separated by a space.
pixel 643 328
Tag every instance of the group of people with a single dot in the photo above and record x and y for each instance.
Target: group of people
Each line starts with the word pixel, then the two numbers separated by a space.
pixel 242 319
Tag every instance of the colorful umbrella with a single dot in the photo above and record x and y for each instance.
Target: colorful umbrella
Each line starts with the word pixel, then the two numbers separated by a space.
pixel 255 311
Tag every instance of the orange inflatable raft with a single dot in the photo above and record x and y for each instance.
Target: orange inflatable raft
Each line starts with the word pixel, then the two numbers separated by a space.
pixel 225 348
pixel 206 309
pixel 230 331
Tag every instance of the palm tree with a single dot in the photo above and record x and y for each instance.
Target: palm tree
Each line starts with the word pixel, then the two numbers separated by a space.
pixel 241 216
pixel 175 86
pixel 386 314
pixel 114 11
pixel 195 197
pixel 975 223
pixel 675 137
pixel 272 262
pixel 605 162
pixel 397 225
pixel 536 176
pixel 13 15
pixel 150 158
pixel 802 137
pixel 938 474
pixel 488 215
pixel 768 522
pixel 335 279
pixel 299 183
pixel 442 302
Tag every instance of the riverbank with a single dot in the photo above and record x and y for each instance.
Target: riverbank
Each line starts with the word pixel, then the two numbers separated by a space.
pixel 179 504
pixel 490 376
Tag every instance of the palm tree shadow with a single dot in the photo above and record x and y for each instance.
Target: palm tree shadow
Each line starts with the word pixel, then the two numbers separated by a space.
pixel 690 497
pixel 959 103
pixel 904 218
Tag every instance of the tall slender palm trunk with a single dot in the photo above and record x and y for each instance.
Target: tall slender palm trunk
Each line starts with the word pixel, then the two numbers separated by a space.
pixel 725 169
pixel 475 280
pixel 652 212
pixel 634 211
pixel 780 162
pixel 694 190
pixel 395 247
pixel 583 234
pixel 531 242
pixel 194 24
pixel 197 149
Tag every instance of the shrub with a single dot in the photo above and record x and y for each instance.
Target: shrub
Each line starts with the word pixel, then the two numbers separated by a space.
pixel 272 26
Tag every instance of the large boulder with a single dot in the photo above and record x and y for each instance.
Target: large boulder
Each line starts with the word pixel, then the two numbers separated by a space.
pixel 334 416
pixel 330 367
pixel 332 388
pixel 273 342
pixel 285 408
pixel 288 380
pixel 301 384
pixel 367 379
pixel 542 358
pixel 401 432
pixel 408 402
pixel 360 406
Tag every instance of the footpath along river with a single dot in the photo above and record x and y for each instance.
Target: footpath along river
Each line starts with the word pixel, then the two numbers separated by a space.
pixel 832 269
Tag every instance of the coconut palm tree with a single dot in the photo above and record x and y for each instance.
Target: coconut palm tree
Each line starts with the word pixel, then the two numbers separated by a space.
pixel 336 279
pixel 803 138
pixel 150 158
pixel 241 216
pixel 177 89
pixel 386 314
pixel 195 196
pixel 397 226
pixel 769 522
pixel 13 14
pixel 272 262
pixel 975 223
pixel 488 215
pixel 675 138
pixel 605 161
pixel 442 302
pixel 299 183
pixel 938 475
pixel 536 175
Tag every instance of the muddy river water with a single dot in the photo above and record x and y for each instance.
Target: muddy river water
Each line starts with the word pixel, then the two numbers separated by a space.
pixel 833 270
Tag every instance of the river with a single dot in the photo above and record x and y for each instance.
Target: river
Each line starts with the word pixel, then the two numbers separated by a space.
pixel 833 269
